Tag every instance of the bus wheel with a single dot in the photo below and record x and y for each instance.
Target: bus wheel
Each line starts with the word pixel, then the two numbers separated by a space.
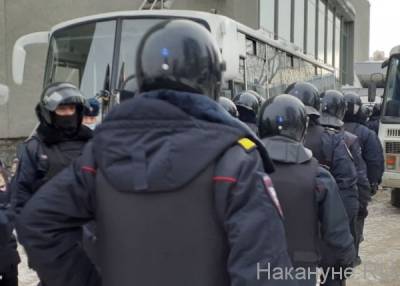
pixel 395 198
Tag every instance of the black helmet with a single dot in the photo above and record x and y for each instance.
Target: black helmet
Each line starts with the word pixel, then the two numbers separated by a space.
pixel 308 94
pixel 353 103
pixel 333 108
pixel 228 105
pixel 92 107
pixel 376 111
pixel 179 55
pixel 248 106
pixel 248 101
pixel 283 115
pixel 363 114
pixel 260 99
pixel 56 94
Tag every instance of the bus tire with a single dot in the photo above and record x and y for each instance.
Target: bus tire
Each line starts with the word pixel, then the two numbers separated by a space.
pixel 395 197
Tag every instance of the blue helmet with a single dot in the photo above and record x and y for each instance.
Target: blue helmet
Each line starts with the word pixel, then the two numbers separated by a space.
pixel 92 107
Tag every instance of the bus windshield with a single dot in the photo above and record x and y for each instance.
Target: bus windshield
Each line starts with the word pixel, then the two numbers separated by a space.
pixel 82 55
pixel 391 108
pixel 131 33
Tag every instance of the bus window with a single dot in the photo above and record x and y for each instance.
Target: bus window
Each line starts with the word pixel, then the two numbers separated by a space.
pixel 67 73
pixel 82 55
pixel 131 34
pixel 392 90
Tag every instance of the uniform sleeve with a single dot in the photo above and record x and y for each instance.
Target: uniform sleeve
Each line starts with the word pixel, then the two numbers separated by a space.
pixel 343 168
pixel 364 191
pixel 251 221
pixel 49 226
pixel 373 156
pixel 27 174
pixel 334 222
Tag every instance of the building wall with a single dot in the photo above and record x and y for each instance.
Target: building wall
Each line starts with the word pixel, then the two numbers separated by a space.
pixel 3 78
pixel 361 30
pixel 315 27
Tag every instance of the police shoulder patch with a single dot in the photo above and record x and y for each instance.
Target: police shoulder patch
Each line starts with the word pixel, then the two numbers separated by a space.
pixel 247 144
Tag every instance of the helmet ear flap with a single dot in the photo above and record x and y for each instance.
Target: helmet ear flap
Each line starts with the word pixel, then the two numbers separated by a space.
pixel 42 114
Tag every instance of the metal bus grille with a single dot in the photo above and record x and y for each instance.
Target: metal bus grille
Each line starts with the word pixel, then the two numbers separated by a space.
pixel 393 132
pixel 392 147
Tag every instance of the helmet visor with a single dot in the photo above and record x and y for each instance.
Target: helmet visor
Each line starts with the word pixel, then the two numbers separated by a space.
pixel 61 97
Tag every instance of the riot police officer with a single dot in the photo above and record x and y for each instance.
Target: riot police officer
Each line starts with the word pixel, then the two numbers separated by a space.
pixel 248 105
pixel 309 195
pixel 58 140
pixel 229 106
pixel 333 107
pixel 327 144
pixel 182 197
pixel 371 150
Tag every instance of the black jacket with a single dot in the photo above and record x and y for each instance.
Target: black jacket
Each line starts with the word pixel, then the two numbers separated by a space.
pixel 373 124
pixel 364 190
pixel 41 157
pixel 180 134
pixel 330 149
pixel 331 214
pixel 5 229
pixel 8 244
pixel 371 148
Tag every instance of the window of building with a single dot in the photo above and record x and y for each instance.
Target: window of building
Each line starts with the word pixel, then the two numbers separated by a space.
pixel 284 16
pixel 256 65
pixel 267 15
pixel 251 47
pixel 299 23
pixel 321 31
pixel 242 69
pixel 343 54
pixel 337 42
pixel 329 43
pixel 261 50
pixel 311 27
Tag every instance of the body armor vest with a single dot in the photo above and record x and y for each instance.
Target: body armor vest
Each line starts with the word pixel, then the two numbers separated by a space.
pixel 59 156
pixel 169 238
pixel 295 185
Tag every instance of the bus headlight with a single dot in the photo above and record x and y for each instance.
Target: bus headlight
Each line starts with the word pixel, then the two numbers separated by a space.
pixel 391 161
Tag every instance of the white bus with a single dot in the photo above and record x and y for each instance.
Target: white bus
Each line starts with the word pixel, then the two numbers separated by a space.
pixel 389 127
pixel 97 54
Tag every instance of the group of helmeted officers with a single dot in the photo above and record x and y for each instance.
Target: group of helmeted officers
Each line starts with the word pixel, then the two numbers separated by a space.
pixel 179 186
